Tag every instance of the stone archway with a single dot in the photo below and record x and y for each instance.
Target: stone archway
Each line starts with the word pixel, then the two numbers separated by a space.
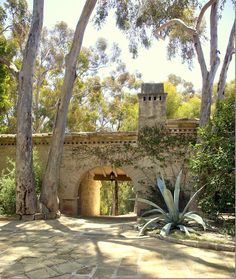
pixel 90 186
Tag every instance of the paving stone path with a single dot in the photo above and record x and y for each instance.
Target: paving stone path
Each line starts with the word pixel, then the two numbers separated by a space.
pixel 71 248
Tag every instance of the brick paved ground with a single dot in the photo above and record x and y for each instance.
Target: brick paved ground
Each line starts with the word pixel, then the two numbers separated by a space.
pixel 100 248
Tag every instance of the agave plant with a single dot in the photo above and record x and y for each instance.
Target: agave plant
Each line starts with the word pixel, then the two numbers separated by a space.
pixel 174 219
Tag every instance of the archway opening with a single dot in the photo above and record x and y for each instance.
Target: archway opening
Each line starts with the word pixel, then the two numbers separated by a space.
pixel 107 191
pixel 115 198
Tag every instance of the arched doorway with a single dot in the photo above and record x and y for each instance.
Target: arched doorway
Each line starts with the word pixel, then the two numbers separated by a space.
pixel 109 183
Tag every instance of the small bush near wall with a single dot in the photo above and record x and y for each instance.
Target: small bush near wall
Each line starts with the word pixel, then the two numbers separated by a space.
pixel 8 185
pixel 7 189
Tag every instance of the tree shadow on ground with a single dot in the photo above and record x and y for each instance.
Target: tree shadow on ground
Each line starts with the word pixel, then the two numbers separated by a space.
pixel 71 244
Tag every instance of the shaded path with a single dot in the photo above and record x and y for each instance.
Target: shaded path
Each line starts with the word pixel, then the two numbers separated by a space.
pixel 100 248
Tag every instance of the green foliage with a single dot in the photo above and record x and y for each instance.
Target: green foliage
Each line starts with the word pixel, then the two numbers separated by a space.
pixel 181 101
pixel 7 189
pixel 6 81
pixel 140 19
pixel 213 160
pixel 97 104
pixel 8 184
pixel 18 21
pixel 124 194
pixel 189 109
pixel 173 218
pixel 173 100
pixel 14 27
pixel 37 165
pixel 156 143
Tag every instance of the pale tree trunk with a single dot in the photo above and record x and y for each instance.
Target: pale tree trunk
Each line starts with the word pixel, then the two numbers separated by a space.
pixel 205 110
pixel 49 196
pixel 25 186
pixel 228 57
pixel 208 77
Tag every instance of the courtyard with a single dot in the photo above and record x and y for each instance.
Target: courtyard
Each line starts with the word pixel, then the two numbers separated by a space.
pixel 101 248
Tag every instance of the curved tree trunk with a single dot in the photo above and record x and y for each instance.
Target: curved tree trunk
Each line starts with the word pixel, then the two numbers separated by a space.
pixel 25 186
pixel 205 110
pixel 208 77
pixel 51 176
pixel 228 57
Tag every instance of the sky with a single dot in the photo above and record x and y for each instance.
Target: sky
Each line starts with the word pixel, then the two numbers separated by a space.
pixel 152 62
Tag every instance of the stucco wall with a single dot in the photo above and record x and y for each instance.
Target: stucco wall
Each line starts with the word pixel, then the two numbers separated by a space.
pixel 89 197
pixel 75 166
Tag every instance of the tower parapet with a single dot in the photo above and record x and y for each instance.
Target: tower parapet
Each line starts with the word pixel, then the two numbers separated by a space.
pixel 152 105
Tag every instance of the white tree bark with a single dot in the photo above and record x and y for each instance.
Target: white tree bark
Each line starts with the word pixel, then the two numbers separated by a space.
pixel 208 79
pixel 202 12
pixel 51 177
pixel 228 57
pixel 25 186
pixel 208 74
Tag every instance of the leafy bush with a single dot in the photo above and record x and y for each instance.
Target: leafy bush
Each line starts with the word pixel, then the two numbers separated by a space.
pixel 213 162
pixel 37 172
pixel 173 219
pixel 7 189
pixel 8 184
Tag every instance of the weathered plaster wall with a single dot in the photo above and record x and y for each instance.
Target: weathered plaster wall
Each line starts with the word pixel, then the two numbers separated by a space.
pixel 89 196
pixel 75 166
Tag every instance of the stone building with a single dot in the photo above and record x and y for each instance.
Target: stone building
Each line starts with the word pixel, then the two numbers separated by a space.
pixel 88 158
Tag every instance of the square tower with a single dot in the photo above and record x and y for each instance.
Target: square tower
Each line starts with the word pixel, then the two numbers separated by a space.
pixel 152 105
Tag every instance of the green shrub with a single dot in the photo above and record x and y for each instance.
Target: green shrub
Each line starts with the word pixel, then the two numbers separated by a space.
pixel 7 189
pixel 37 172
pixel 8 184
pixel 213 163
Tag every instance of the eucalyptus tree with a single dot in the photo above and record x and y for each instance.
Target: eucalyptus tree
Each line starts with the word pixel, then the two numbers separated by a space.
pixel 25 185
pixel 178 20
pixel 193 32
pixel 50 64
pixel 48 195
pixel 88 107
pixel 17 22
pixel 185 87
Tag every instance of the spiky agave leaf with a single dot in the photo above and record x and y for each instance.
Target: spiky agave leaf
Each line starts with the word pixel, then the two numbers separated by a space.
pixel 191 200
pixel 166 193
pixel 166 229
pixel 193 231
pixel 182 216
pixel 184 229
pixel 147 224
pixel 177 191
pixel 152 211
pixel 152 204
pixel 196 218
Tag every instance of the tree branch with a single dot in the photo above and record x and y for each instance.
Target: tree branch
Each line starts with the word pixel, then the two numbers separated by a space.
pixel 175 21
pixel 203 10
pixel 12 67
pixel 200 55
pixel 214 35
pixel 5 29
pixel 227 59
